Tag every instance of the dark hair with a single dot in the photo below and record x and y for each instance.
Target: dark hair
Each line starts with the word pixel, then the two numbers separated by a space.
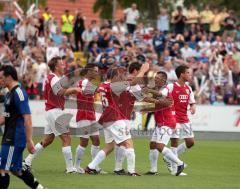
pixel 9 71
pixel 180 70
pixel 87 68
pixel 112 72
pixel 162 73
pixel 53 63
pixel 134 66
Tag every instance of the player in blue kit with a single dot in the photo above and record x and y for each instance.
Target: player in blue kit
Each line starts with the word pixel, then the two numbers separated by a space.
pixel 18 131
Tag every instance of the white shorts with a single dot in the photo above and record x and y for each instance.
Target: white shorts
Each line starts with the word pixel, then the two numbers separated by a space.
pixel 57 122
pixel 183 130
pixel 117 131
pixel 87 128
pixel 162 135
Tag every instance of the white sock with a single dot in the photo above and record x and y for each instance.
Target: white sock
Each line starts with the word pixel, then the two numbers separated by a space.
pixel 40 186
pixel 97 160
pixel 39 148
pixel 67 153
pixel 170 155
pixel 174 165
pixel 94 151
pixel 181 148
pixel 120 155
pixel 130 160
pixel 79 154
pixel 153 157
pixel 174 150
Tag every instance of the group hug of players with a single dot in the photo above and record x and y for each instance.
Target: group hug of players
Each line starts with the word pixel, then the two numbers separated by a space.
pixel 118 92
pixel 121 88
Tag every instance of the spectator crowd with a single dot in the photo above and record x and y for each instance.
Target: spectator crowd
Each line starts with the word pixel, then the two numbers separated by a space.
pixel 207 40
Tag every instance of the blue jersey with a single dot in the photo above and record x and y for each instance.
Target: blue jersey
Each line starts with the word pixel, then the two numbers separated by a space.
pixel 16 105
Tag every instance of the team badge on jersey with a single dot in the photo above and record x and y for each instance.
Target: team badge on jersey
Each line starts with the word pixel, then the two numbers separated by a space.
pixel 187 91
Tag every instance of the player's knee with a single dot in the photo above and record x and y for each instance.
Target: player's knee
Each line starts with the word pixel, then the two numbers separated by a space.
pixel 174 143
pixel 16 173
pixel 190 143
pixel 95 140
pixel 152 145
pixel 47 141
pixel 160 147
pixel 66 139
pixel 84 142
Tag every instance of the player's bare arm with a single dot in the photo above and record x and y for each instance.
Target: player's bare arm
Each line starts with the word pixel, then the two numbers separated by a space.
pixel 28 127
pixel 193 108
pixel 2 120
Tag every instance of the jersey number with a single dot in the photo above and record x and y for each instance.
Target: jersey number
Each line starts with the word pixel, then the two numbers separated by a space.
pixel 104 100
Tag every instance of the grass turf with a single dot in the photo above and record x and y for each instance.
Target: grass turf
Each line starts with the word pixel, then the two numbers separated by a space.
pixel 211 164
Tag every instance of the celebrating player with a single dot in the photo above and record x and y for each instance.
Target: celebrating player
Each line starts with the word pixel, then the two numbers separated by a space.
pixel 183 97
pixel 116 129
pixel 17 132
pixel 54 106
pixel 126 104
pixel 166 123
pixel 86 118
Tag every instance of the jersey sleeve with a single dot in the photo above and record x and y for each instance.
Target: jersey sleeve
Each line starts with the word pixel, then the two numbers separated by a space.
pixel 191 98
pixel 165 91
pixel 119 87
pixel 21 101
pixel 56 85
pixel 88 88
pixel 136 91
pixel 170 87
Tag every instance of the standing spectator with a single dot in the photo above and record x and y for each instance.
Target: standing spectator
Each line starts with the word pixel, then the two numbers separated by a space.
pixel 79 28
pixel 230 24
pixel 205 18
pixel 179 21
pixel 67 24
pixel 9 24
pixel 131 15
pixel 159 42
pixel 21 30
pixel 192 15
pixel 57 37
pixel 46 15
pixel 215 26
pixel 87 35
pixel 41 74
pixel 163 21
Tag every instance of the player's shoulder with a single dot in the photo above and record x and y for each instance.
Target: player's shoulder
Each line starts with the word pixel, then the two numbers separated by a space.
pixel 170 87
pixel 20 93
pixel 187 85
pixel 104 85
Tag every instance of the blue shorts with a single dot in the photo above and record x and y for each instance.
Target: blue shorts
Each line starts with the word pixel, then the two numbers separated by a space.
pixel 11 158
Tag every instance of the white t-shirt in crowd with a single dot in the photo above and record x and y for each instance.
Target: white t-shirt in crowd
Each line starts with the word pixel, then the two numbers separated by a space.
pixel 131 16
pixel 21 33
pixel 41 72
pixel 52 52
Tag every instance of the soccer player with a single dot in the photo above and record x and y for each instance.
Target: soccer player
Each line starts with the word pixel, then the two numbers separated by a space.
pixel 86 118
pixel 183 98
pixel 126 107
pixel 116 130
pixel 17 132
pixel 166 123
pixel 54 106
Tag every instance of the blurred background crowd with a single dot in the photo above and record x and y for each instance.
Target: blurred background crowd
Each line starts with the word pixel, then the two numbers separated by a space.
pixel 207 40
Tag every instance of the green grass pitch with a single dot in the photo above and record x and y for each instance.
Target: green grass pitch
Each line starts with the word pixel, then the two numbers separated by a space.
pixel 211 165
